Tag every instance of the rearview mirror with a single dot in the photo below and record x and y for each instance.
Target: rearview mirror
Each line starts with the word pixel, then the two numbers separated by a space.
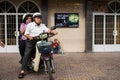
pixel 53 28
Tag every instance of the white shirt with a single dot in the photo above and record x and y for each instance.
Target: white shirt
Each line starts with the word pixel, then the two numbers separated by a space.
pixel 34 30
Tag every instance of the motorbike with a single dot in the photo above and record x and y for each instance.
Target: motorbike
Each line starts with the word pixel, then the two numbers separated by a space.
pixel 44 54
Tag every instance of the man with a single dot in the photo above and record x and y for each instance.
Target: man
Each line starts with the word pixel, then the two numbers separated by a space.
pixel 2 44
pixel 33 29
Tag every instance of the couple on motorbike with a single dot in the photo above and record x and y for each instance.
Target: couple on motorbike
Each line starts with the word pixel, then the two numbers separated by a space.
pixel 32 29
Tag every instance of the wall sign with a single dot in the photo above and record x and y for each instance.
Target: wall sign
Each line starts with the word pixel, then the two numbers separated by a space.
pixel 67 20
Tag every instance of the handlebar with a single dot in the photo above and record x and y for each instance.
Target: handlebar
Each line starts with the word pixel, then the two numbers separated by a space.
pixel 43 36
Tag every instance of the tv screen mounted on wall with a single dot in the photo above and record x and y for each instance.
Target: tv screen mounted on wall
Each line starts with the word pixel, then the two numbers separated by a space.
pixel 67 20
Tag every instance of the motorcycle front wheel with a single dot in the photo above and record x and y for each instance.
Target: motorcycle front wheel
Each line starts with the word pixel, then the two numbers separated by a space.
pixel 49 70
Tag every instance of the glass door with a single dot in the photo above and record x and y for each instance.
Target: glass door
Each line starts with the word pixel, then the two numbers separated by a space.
pixel 9 32
pixel 106 32
pixel 2 31
pixel 109 30
pixel 118 29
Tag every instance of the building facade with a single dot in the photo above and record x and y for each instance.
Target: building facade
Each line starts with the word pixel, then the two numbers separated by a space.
pixel 103 26
pixel 97 29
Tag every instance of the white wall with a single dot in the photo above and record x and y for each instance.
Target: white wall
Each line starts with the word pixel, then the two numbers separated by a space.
pixel 72 39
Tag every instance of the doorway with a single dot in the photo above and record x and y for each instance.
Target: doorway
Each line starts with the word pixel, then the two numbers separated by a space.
pixel 9 27
pixel 106 32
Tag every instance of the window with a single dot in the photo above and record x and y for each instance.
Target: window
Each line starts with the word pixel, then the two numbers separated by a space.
pixel 28 7
pixel 114 6
pixel 7 7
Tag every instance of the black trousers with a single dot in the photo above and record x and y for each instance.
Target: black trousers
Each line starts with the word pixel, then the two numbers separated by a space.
pixel 30 50
pixel 22 45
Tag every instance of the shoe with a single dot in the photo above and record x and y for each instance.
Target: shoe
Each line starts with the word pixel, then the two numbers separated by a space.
pixel 21 75
pixel 53 71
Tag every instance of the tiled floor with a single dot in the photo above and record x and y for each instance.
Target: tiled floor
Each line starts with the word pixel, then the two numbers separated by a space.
pixel 70 66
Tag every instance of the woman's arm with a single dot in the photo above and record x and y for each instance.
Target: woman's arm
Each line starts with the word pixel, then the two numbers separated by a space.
pixel 22 28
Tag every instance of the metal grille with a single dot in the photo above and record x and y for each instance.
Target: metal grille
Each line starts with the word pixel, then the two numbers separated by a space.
pixel 6 6
pixel 109 28
pixel 2 28
pixel 11 28
pixel 28 7
pixel 106 32
pixel 98 29
pixel 118 29
pixel 19 22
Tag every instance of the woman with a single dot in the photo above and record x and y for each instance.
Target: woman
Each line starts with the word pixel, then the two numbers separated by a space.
pixel 27 18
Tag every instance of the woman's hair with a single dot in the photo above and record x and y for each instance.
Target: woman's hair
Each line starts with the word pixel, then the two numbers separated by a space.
pixel 26 17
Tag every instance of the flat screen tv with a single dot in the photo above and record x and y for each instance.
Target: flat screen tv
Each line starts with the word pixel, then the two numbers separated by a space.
pixel 67 20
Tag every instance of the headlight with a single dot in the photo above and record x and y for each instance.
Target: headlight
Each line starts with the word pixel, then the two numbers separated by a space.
pixel 43 36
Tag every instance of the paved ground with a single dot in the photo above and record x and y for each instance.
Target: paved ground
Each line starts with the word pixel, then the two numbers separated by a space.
pixel 70 66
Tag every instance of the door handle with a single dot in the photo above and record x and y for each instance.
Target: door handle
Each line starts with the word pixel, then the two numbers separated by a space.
pixel 115 33
pixel 16 33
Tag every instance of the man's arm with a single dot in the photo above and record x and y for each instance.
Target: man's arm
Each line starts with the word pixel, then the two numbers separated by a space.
pixel 29 37
pixel 48 30
pixel 27 32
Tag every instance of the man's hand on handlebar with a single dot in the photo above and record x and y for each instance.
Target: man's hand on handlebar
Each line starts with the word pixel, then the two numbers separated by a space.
pixel 52 32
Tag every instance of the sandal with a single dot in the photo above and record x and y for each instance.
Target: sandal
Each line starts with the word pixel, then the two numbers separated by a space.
pixel 21 75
